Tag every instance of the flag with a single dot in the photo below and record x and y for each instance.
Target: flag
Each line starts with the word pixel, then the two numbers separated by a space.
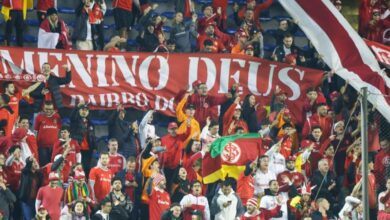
pixel 342 49
pixel 6 8
pixel 229 155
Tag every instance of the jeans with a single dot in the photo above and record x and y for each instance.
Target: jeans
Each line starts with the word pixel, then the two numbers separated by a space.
pixel 28 209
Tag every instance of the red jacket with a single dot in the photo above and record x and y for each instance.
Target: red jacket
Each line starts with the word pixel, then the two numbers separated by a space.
pixel 174 147
pixel 191 173
pixel 228 120
pixel 265 214
pixel 218 45
pixel 206 106
pixel 204 22
pixel 307 108
pixel 381 164
pixel 245 187
pixel 365 13
pixel 43 5
pixel 258 9
pixel 325 123
pixel 296 178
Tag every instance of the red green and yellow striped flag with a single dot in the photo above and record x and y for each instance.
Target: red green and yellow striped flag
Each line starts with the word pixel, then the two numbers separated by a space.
pixel 229 155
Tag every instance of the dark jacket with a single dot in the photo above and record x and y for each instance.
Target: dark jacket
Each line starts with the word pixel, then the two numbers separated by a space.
pixel 168 215
pixel 7 198
pixel 280 53
pixel 324 192
pixel 318 216
pixel 149 42
pixel 80 27
pixel 26 181
pixel 121 130
pixel 182 33
pixel 54 83
pixel 121 211
pixel 78 128
pixel 279 33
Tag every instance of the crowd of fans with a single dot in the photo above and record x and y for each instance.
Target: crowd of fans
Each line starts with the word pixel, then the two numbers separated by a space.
pixel 307 170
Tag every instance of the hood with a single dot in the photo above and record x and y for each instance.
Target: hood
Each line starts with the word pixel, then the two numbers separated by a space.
pixel 19 134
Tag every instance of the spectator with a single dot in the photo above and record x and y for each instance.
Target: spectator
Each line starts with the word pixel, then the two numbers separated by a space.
pixel 256 9
pixel 50 89
pixel 50 197
pixel 122 204
pixel 249 50
pixel 217 41
pixel 286 26
pixel 82 130
pixel 5 116
pixel 42 214
pixel 148 40
pixel 100 178
pixel 123 16
pixel 42 7
pixel 7 198
pixel 209 132
pixel 173 213
pixel 186 7
pixel 375 27
pixel 188 116
pixel 274 198
pixel 351 203
pixel 74 194
pixel 14 165
pixel 30 181
pixel 233 119
pixel 288 47
pixel 278 99
pixel 242 42
pixel 47 125
pixel 82 33
pixel 14 18
pixel 146 128
pixel 65 141
pixel 104 212
pixel 245 182
pixel 253 212
pixel 226 204
pixel 312 100
pixel 366 9
pixel 338 4
pixel 263 176
pixel 290 176
pixel 78 211
pixel 321 119
pixel 325 181
pixel 181 186
pixel 31 139
pixel 96 16
pixel 381 166
pixel 19 137
pixel 171 45
pixel 209 18
pixel 323 210
pixel 195 201
pixel 53 32
pixel 182 32
pixel 117 161
pixel 159 198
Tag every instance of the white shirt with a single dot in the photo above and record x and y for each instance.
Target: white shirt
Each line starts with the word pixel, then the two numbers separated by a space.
pixel 269 202
pixel 277 162
pixel 350 201
pixel 262 180
pixel 196 200
pixel 229 212
pixel 146 130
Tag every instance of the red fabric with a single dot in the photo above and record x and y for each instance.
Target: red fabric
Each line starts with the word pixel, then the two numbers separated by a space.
pixel 307 107
pixel 174 147
pixel 14 104
pixel 48 129
pixel 380 166
pixel 187 8
pixel 228 120
pixel 116 164
pixel 102 179
pixel 297 179
pixel 205 21
pixel 206 106
pixel 374 32
pixel 218 46
pixel 123 4
pixel 96 14
pixel 158 203
pixel 130 189
pixel 32 144
pixel 187 164
pixel 245 187
pixel 14 173
pixel 257 11
pixel 15 4
pixel 6 115
pixel 365 13
pixel 43 5
pixel 265 214
pixel 71 157
pixel 51 199
pixel 372 196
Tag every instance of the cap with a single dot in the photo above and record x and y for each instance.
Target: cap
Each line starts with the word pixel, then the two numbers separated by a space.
pixel 51 11
pixel 53 176
pixel 338 2
pixel 197 83
pixel 172 125
pixel 83 106
pixel 306 188
pixel 338 124
pixel 79 174
pixel 376 11
pixel 41 207
pixel 249 47
pixel 334 94
pixel 287 112
pixel 290 58
pixel 190 106
pixel 158 178
pixel 252 201
pixel 305 144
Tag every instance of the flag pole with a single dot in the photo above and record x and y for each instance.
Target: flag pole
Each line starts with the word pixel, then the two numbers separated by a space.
pixel 364 135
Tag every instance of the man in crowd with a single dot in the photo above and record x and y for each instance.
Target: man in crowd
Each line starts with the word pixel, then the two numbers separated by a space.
pixel 100 178
pixel 226 204
pixel 117 161
pixel 51 196
pixel 53 32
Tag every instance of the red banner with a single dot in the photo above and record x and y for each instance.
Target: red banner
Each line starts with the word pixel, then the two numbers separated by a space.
pixel 381 51
pixel 151 80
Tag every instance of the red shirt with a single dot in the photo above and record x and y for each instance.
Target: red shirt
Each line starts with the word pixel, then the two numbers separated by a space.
pixel 6 115
pixel 174 145
pixel 117 163
pixel 48 129
pixel 245 187
pixel 123 4
pixel 14 172
pixel 51 199
pixel 159 201
pixel 71 157
pixel 102 179
pixel 43 5
pixel 130 189
pixel 382 163
pixel 16 4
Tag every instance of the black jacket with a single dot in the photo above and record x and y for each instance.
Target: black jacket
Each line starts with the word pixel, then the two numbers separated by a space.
pixel 26 181
pixel 121 211
pixel 54 83
pixel 7 198
pixel 80 31
pixel 78 128
pixel 121 130
pixel 280 53
pixel 324 192
pixel 149 42
pixel 318 216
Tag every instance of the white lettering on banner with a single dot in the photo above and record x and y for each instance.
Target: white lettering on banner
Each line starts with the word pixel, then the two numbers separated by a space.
pixel 128 74
pixel 225 74
pixel 163 72
pixel 167 104
pixel 210 69
pixel 111 99
pixel 83 73
pixel 284 78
